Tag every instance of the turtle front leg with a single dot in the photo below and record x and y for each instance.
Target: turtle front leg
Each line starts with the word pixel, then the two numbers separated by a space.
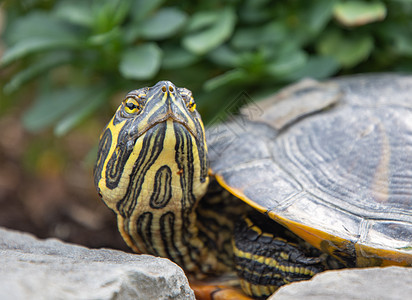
pixel 264 261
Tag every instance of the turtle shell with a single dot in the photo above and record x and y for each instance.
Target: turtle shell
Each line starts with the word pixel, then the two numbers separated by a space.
pixel 330 161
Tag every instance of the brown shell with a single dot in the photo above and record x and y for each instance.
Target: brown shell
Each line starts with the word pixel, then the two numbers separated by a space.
pixel 330 161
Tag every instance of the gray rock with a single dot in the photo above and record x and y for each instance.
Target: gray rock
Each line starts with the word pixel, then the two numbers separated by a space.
pixel 371 283
pixel 50 269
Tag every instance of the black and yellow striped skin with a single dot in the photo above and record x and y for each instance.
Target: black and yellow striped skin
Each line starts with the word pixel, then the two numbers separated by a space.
pixel 265 258
pixel 152 171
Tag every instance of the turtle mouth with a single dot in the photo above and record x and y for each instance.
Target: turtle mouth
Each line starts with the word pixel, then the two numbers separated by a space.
pixel 165 118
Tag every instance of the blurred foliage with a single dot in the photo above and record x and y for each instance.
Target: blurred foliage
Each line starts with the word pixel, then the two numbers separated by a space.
pixel 72 56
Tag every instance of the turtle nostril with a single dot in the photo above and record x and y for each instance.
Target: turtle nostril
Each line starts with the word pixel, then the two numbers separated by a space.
pixel 171 89
pixel 164 89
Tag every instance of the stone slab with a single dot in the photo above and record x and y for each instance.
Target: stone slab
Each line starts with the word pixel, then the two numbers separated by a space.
pixel 50 269
pixel 369 283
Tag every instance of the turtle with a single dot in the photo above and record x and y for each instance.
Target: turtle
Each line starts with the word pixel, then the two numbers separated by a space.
pixel 320 168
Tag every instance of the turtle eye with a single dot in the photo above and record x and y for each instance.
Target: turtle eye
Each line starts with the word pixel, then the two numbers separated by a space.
pixel 131 106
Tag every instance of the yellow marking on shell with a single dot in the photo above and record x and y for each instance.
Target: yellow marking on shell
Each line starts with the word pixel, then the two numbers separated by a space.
pixel 380 184
pixel 238 193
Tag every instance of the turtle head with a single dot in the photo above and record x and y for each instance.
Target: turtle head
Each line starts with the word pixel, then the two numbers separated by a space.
pixel 152 165
pixel 145 108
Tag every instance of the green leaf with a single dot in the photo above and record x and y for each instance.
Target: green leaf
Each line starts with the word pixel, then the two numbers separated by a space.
pixel 255 11
pixel 399 37
pixel 141 62
pixel 40 66
pixel 36 24
pixel 358 13
pixel 318 14
pixel 33 45
pixel 403 67
pixel 108 14
pixel 89 105
pixel 211 37
pixel 120 11
pixel 103 39
pixel 75 12
pixel 201 20
pixel 166 22
pixel 224 56
pixel 230 77
pixel 403 44
pixel 286 63
pixel 252 61
pixel 254 37
pixel 317 67
pixel 348 51
pixel 175 57
pixel 142 8
pixel 51 106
